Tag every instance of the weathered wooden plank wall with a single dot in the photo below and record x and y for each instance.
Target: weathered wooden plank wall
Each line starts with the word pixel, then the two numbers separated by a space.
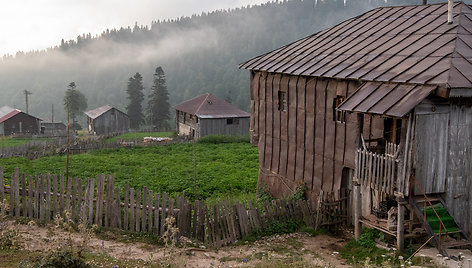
pixel 304 143
pixel 459 165
pixel 144 211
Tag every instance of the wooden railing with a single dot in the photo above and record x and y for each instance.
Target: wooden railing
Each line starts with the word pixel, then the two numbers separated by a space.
pixel 99 201
pixel 377 171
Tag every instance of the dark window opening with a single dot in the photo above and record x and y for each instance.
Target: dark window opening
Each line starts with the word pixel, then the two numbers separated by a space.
pixel 185 117
pixel 196 119
pixel 392 130
pixel 229 121
pixel 338 116
pixel 282 105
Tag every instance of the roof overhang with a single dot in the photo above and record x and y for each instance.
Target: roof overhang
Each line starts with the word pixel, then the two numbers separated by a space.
pixel 391 99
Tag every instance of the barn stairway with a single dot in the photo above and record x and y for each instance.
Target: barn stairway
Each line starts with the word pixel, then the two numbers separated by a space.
pixel 432 211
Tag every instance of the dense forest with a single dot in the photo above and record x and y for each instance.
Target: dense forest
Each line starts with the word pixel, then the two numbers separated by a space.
pixel 198 54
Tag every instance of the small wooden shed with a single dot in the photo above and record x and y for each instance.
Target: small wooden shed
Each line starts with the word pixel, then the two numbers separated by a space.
pixel 107 120
pixel 380 104
pixel 14 121
pixel 208 115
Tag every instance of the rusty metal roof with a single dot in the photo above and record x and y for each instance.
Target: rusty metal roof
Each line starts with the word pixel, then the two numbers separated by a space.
pixel 393 99
pixel 209 106
pixel 7 112
pixel 404 44
pixel 100 110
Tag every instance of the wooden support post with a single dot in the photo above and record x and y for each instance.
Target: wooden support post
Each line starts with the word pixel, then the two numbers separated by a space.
pixel 357 210
pixel 401 224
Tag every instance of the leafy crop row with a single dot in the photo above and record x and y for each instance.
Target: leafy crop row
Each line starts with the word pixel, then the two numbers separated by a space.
pixel 223 170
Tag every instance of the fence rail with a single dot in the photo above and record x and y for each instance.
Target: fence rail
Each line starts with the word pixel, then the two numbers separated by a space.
pixel 376 171
pixel 140 210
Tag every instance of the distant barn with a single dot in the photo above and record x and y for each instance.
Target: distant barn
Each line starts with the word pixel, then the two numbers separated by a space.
pixel 14 121
pixel 207 115
pixel 107 120
pixel 53 129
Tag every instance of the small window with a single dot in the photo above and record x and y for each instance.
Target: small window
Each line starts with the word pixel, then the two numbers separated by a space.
pixel 229 121
pixel 282 101
pixel 196 119
pixel 338 116
pixel 185 117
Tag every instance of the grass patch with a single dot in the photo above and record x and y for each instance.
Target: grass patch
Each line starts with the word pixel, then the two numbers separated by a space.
pixel 223 170
pixel 127 236
pixel 131 136
pixel 216 139
pixel 6 142
pixel 364 249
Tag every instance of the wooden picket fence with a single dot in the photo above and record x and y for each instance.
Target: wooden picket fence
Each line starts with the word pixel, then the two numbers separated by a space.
pixel 100 202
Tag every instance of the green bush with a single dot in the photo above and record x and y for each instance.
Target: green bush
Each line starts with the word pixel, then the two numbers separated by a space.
pixel 59 258
pixel 217 139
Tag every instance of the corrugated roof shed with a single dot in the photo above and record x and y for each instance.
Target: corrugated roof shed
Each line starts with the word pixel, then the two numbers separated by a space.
pixel 99 111
pixel 405 44
pixel 7 112
pixel 209 106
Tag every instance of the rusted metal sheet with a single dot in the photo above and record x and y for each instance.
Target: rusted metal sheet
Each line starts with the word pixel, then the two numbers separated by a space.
pixel 403 44
pixel 386 99
pixel 209 106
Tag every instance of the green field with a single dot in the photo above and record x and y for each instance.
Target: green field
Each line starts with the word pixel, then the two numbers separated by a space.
pixel 223 170
pixel 12 142
pixel 139 136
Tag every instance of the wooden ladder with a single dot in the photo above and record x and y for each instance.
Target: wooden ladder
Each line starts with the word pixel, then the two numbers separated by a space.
pixel 443 239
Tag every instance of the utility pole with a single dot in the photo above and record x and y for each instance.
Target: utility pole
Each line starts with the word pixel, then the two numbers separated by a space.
pixel 52 113
pixel 26 92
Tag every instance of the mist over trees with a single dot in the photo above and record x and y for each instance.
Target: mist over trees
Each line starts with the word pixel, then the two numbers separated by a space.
pixel 158 111
pixel 75 103
pixel 199 54
pixel 135 97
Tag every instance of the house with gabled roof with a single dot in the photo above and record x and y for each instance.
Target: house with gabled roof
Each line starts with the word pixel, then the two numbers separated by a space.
pixel 107 120
pixel 380 104
pixel 208 115
pixel 14 122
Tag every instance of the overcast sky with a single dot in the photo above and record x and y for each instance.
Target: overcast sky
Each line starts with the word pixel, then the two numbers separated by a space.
pixel 37 24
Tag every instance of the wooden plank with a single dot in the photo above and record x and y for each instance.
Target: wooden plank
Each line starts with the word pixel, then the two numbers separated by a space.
pixel 99 203
pixel 117 209
pixel 109 200
pixel 30 198
pixel 79 198
pixel 195 218
pixel 156 215
pixel 138 211
pixel 150 218
pixel 24 211
pixel 126 208
pixel 48 197
pixel 55 203
pixel 36 197
pixel 16 192
pixel 68 194
pixel 144 211
pixel 132 209
pixel 41 204
pixel 73 208
pixel 2 186
pixel 163 218
pixel 90 200
pixel 62 187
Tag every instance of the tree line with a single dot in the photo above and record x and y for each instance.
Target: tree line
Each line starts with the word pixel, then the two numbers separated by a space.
pixel 199 53
pixel 156 115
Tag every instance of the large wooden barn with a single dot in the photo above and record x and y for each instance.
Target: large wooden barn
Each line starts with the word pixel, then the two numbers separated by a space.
pixel 107 120
pixel 208 115
pixel 16 122
pixel 380 104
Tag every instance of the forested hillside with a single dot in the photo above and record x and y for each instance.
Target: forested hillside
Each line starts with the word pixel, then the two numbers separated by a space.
pixel 198 54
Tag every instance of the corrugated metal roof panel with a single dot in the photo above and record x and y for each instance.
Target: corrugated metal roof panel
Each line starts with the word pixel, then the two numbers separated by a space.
pixel 9 115
pixel 98 111
pixel 209 106
pixel 390 44
pixel 386 99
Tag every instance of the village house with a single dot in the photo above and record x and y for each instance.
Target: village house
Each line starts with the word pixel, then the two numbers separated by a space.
pixel 16 122
pixel 53 129
pixel 107 120
pixel 380 104
pixel 208 115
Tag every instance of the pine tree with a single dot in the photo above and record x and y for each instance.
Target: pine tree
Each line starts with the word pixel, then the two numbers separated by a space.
pixel 136 97
pixel 74 102
pixel 158 110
